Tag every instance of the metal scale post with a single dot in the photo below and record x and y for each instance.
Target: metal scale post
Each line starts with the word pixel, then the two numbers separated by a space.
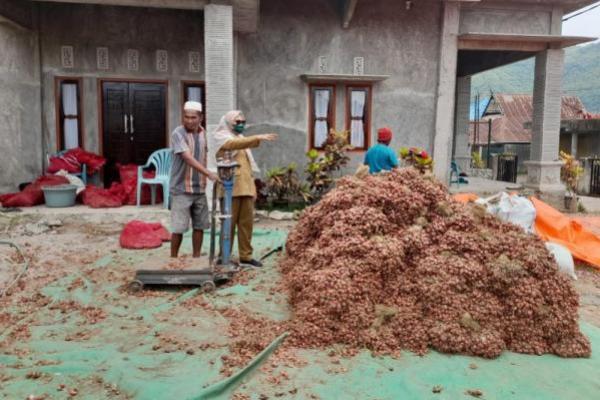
pixel 226 170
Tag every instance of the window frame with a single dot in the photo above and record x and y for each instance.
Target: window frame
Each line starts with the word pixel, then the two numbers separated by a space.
pixel 60 116
pixel 331 114
pixel 368 111
pixel 184 86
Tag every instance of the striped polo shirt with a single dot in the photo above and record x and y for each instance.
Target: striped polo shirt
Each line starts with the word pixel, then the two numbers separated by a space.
pixel 185 179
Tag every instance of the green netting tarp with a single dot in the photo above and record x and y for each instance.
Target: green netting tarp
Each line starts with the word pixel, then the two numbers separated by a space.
pixel 116 356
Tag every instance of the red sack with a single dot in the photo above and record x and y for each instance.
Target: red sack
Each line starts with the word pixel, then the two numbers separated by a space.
pixel 96 197
pixel 67 162
pixel 128 176
pixel 93 161
pixel 72 160
pixel 143 235
pixel 32 194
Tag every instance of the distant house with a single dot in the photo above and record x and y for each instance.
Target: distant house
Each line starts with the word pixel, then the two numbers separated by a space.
pixel 506 121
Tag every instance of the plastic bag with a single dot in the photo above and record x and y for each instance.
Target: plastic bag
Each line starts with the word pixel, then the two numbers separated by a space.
pixel 515 209
pixel 563 258
pixel 143 235
pixel 73 180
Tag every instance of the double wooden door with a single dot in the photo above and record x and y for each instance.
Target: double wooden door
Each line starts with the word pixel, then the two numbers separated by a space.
pixel 134 123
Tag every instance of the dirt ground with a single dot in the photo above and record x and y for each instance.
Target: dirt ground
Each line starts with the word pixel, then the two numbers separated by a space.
pixel 73 241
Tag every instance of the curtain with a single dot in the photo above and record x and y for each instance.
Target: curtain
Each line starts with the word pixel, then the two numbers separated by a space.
pixel 357 127
pixel 321 114
pixel 70 122
pixel 71 131
pixel 194 93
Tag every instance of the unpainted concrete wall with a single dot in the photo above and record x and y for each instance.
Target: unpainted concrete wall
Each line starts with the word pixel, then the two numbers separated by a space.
pixel 86 27
pixel 503 19
pixel 293 34
pixel 20 111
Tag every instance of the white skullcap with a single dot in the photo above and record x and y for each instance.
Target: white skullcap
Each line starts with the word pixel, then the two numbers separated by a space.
pixel 192 106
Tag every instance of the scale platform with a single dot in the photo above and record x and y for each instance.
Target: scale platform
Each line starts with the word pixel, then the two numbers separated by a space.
pixel 205 278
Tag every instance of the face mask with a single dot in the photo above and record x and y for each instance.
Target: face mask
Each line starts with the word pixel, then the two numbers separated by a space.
pixel 239 128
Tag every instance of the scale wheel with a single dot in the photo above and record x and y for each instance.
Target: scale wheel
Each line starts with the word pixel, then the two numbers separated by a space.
pixel 208 286
pixel 135 286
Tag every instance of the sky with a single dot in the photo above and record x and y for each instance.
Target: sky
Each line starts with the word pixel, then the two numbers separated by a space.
pixel 587 24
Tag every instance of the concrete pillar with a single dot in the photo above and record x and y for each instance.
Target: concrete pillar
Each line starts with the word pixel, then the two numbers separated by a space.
pixel 574 140
pixel 462 149
pixel 444 118
pixel 218 68
pixel 543 170
pixel 218 55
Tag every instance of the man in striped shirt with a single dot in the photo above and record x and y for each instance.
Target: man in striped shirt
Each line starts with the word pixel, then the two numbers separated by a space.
pixel 188 179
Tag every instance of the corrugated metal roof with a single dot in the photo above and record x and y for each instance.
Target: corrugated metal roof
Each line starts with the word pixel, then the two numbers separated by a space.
pixel 515 111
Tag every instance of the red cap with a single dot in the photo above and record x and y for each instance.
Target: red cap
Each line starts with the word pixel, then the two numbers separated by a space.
pixel 384 134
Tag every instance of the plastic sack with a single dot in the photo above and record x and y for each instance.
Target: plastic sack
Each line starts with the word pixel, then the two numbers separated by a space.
pixel 96 197
pixel 32 194
pixel 128 177
pixel 72 160
pixel 563 258
pixel 66 162
pixel 515 209
pixel 73 180
pixel 143 235
pixel 93 161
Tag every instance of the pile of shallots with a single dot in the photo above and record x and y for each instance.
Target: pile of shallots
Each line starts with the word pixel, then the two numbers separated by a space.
pixel 391 262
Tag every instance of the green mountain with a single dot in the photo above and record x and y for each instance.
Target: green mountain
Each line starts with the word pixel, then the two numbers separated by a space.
pixel 581 77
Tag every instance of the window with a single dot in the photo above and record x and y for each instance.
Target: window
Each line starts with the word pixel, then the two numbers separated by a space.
pixel 322 114
pixel 194 91
pixel 358 115
pixel 69 121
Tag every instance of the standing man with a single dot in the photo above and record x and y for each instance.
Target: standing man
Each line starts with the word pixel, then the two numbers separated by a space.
pixel 188 179
pixel 381 157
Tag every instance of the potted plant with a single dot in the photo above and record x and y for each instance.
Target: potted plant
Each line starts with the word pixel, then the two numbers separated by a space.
pixel 417 158
pixel 570 173
pixel 283 185
pixel 321 167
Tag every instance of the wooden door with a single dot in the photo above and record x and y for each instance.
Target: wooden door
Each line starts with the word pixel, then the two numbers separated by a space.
pixel 147 102
pixel 117 143
pixel 134 121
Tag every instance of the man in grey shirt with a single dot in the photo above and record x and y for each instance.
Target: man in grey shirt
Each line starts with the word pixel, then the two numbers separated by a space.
pixel 188 179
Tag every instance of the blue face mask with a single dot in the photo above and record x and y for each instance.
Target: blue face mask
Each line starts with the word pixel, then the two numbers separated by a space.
pixel 239 128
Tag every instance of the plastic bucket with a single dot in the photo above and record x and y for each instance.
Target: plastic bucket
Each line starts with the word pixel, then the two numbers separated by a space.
pixel 60 195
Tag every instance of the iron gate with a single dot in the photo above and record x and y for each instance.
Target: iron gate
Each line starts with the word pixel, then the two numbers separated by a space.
pixel 507 168
pixel 595 176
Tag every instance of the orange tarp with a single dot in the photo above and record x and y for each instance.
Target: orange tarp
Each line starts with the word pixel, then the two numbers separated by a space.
pixel 590 222
pixel 465 197
pixel 552 225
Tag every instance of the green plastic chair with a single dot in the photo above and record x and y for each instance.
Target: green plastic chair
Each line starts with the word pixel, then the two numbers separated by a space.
pixel 161 161
pixel 455 171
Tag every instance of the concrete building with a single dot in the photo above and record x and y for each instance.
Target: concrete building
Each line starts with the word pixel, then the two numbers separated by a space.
pixel 111 75
pixel 505 125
